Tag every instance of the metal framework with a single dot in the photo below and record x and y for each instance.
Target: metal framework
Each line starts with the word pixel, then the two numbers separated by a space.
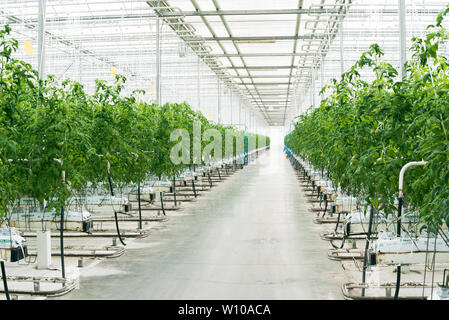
pixel 258 62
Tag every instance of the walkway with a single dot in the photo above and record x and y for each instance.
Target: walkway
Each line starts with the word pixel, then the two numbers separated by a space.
pixel 250 238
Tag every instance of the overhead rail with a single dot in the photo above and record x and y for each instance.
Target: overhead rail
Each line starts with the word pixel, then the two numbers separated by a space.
pixel 186 32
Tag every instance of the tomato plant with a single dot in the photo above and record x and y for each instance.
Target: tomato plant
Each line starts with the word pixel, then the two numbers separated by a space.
pixel 365 132
pixel 48 127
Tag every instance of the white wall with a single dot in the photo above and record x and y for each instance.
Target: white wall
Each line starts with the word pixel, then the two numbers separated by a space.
pixel 277 135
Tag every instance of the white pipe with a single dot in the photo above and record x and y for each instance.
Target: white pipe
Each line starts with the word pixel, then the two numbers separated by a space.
pixel 41 38
pixel 402 37
pixel 401 175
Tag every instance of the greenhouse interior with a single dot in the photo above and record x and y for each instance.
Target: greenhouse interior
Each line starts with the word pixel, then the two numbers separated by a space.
pixel 224 150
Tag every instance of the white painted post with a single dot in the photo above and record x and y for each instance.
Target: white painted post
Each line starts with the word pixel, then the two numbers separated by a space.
pixel 43 237
pixel 403 38
pixel 231 107
pixel 219 101
pixel 43 249
pixel 41 38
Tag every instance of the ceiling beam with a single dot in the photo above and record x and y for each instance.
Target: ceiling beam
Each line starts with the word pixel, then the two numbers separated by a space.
pixel 317 11
pixel 254 68
pixel 265 84
pixel 255 39
pixel 180 14
pixel 295 48
pixel 261 77
pixel 267 54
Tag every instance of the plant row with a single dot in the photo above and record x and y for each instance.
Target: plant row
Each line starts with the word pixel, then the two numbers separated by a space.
pixel 47 128
pixel 364 132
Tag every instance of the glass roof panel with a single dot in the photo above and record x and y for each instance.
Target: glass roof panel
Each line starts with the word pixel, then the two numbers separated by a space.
pixel 86 38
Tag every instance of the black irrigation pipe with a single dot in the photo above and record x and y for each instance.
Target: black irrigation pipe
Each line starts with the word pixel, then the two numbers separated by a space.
pixel 342 243
pixel 5 281
pixel 346 235
pixel 162 202
pixel 110 185
pixel 210 181
pixel 115 212
pixel 338 222
pixel 368 239
pixel 118 229
pixel 174 189
pixel 140 208
pixel 193 187
pixel 325 206
pixel 61 242
pixel 398 269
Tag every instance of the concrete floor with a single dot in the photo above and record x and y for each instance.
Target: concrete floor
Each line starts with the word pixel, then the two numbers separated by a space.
pixel 251 237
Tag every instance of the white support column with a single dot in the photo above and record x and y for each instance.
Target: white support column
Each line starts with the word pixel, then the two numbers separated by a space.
pixel 403 39
pixel 232 120
pixel 322 76
pixel 80 64
pixel 298 103
pixel 158 61
pixel 246 124
pixel 254 123
pixel 240 112
pixel 198 83
pixel 41 38
pixel 219 101
pixel 342 49
pixel 43 243
pixel 313 88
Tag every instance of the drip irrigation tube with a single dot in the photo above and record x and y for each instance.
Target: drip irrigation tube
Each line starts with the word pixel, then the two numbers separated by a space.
pixel 115 212
pixel 325 206
pixel 5 281
pixel 61 242
pixel 110 185
pixel 174 190
pixel 338 222
pixel 368 239
pixel 398 282
pixel 140 208
pixel 401 184
pixel 342 243
pixel 398 269
pixel 193 187
pixel 210 181
pixel 118 229
pixel 162 203
pixel 346 235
